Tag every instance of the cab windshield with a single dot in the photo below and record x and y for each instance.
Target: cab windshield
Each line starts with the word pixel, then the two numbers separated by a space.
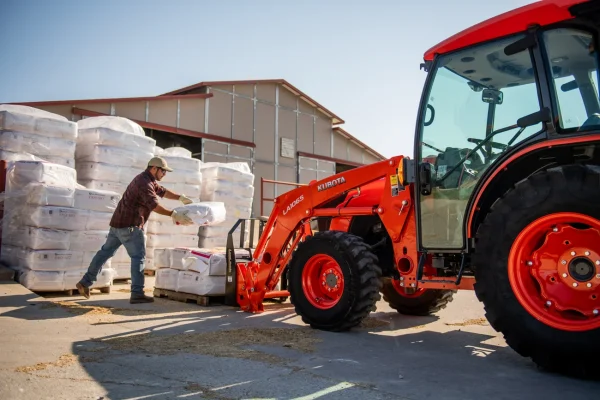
pixel 475 98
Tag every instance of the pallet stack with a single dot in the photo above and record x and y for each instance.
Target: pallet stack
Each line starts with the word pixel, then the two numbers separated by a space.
pixel 185 179
pixel 51 228
pixel 110 152
pixel 232 184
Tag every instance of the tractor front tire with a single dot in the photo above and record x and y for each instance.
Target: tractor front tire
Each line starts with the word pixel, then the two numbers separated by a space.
pixel 538 238
pixel 422 303
pixel 334 281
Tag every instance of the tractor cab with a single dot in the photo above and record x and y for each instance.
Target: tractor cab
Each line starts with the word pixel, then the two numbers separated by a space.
pixel 483 102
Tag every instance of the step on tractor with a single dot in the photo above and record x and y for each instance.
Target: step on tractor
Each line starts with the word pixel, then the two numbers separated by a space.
pixel 501 197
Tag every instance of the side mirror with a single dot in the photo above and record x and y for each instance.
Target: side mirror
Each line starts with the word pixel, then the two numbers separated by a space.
pixel 425 178
pixel 492 96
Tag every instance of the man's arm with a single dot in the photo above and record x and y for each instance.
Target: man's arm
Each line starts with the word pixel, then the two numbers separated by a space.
pixel 171 195
pixel 162 211
pixel 174 196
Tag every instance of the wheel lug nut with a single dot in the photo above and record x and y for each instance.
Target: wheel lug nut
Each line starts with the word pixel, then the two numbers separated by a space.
pixel 598 276
pixel 563 262
pixel 575 284
pixel 530 263
pixel 589 284
pixel 565 275
pixel 587 253
pixel 555 229
pixel 412 285
pixel 572 253
pixel 548 303
pixel 595 312
pixel 597 262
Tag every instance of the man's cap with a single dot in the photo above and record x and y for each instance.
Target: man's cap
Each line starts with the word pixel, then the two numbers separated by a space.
pixel 160 163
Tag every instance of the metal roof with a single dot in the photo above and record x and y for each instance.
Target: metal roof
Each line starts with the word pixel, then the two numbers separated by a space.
pixel 544 12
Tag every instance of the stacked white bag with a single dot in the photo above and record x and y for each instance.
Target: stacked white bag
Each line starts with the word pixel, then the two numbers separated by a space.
pixel 110 152
pixel 52 228
pixel 31 133
pixel 186 178
pixel 232 184
pixel 193 270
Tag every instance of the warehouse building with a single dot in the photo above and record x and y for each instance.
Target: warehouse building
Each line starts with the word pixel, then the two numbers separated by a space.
pixel 283 134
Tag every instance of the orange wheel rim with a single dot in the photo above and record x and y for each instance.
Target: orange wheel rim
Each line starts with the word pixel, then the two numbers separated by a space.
pixel 554 271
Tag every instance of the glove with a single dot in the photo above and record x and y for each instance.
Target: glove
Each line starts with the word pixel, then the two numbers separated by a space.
pixel 181 218
pixel 184 199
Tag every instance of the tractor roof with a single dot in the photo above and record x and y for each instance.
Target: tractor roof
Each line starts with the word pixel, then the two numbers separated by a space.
pixel 544 12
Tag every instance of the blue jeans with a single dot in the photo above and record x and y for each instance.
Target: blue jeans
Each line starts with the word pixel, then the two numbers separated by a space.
pixel 134 241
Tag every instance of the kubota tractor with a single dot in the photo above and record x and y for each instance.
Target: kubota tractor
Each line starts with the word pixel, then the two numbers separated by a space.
pixel 502 196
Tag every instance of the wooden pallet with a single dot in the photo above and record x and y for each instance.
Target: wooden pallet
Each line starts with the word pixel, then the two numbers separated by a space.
pixel 72 292
pixel 189 298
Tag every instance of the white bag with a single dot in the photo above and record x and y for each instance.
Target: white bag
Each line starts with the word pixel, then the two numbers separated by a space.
pixel 51 260
pixel 166 278
pixel 111 137
pixel 122 270
pixel 204 213
pixel 176 152
pixel 181 165
pixel 87 171
pixel 116 155
pixel 22 173
pixel 194 283
pixel 230 197
pixel 63 218
pixel 110 186
pixel 241 190
pixel 33 120
pixel 167 227
pixel 104 278
pixel 20 142
pixel 182 176
pixel 111 122
pixel 43 281
pixel 98 220
pixel 37 194
pixel 173 240
pixel 96 200
pixel 37 238
pixel 192 191
pixel 231 172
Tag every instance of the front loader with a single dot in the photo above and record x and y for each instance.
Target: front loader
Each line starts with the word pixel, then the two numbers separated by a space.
pixel 502 196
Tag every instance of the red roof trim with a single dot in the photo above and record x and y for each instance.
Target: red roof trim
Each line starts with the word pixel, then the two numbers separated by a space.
pixel 185 132
pixel 114 100
pixel 283 82
pixel 361 144
pixel 545 12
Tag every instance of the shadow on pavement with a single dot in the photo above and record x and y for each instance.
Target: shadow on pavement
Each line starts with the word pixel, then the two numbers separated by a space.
pixel 226 354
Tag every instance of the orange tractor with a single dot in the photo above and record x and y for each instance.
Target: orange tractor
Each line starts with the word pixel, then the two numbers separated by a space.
pixel 502 196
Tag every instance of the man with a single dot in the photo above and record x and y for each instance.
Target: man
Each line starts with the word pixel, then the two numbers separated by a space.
pixel 127 227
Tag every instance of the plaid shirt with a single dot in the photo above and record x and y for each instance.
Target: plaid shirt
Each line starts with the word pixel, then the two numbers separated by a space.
pixel 138 201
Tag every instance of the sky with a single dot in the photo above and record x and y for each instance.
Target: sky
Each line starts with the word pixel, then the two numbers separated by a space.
pixel 359 59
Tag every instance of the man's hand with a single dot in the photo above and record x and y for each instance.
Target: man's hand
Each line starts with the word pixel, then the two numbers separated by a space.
pixel 181 218
pixel 185 200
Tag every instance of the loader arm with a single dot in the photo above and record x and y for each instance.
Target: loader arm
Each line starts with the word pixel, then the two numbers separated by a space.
pixel 288 223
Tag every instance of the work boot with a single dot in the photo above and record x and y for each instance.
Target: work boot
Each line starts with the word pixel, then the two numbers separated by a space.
pixel 140 298
pixel 84 291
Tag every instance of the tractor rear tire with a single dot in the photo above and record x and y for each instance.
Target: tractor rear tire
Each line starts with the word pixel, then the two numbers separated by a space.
pixel 428 302
pixel 569 189
pixel 343 263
